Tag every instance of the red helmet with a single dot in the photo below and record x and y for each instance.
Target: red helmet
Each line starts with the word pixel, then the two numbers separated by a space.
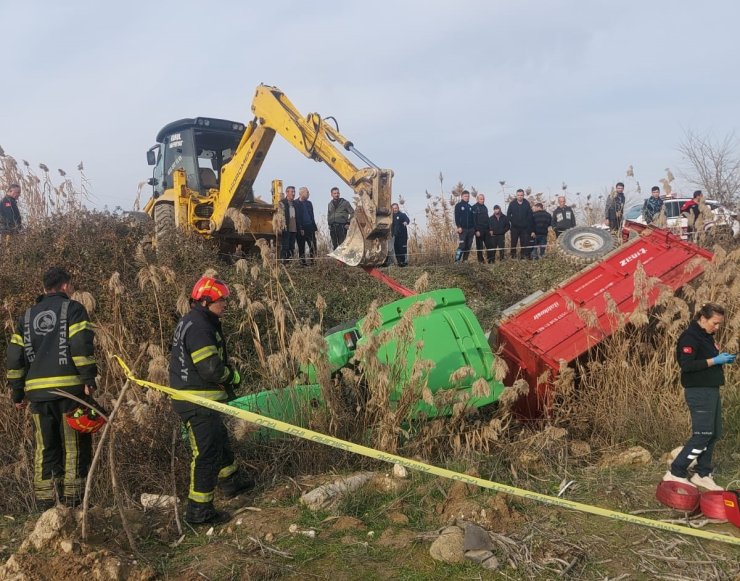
pixel 210 289
pixel 84 419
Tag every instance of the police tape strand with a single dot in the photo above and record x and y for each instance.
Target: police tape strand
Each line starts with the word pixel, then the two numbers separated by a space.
pixel 312 436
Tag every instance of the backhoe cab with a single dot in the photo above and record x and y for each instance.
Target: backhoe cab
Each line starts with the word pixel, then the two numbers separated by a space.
pixel 188 161
pixel 204 172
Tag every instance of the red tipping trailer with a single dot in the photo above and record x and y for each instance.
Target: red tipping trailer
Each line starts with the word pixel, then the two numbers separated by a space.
pixel 553 328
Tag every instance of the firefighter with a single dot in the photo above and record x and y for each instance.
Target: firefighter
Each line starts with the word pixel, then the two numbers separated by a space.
pixel 52 349
pixel 199 365
pixel 10 216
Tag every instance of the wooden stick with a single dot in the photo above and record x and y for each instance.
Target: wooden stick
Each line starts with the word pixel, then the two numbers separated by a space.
pixel 96 458
pixel 174 481
pixel 117 495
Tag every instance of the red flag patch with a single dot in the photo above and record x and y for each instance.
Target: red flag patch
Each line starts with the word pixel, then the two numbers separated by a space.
pixel 688 349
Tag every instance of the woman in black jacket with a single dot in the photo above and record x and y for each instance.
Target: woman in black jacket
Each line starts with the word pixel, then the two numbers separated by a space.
pixel 701 375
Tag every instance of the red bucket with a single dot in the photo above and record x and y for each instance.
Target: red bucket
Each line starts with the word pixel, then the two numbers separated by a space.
pixel 731 500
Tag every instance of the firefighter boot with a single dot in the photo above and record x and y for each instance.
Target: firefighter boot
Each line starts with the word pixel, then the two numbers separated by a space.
pixel 235 484
pixel 205 513
pixel 44 505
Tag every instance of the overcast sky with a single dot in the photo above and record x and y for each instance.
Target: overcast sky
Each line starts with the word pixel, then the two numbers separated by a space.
pixel 534 93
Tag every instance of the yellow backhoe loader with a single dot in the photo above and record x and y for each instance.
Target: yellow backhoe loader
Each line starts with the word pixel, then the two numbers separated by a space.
pixel 204 172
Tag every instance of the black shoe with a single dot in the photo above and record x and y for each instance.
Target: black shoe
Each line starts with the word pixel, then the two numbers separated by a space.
pixel 72 501
pixel 44 505
pixel 198 513
pixel 235 485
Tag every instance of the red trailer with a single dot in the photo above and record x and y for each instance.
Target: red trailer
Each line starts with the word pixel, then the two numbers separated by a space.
pixel 566 322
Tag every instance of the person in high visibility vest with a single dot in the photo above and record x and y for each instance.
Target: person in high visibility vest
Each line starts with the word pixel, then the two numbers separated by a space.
pixel 52 350
pixel 199 365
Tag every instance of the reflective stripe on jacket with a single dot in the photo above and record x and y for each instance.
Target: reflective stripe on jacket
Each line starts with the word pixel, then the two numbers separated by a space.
pixel 198 360
pixel 52 349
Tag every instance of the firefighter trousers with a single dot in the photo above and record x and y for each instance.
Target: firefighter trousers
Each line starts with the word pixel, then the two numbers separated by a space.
pixel 61 453
pixel 212 456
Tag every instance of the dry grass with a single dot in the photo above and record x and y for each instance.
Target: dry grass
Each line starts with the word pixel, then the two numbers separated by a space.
pixel 626 392
pixel 41 195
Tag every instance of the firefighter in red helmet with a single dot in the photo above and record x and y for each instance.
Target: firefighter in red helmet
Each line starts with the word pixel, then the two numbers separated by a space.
pixel 52 351
pixel 199 365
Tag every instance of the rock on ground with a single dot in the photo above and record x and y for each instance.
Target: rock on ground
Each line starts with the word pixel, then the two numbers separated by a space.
pixel 328 494
pixel 448 547
pixel 635 456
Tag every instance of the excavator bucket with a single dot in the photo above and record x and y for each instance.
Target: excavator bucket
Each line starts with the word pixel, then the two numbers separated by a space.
pixel 370 227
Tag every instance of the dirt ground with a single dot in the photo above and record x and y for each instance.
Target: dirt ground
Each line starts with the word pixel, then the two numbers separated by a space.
pixel 378 534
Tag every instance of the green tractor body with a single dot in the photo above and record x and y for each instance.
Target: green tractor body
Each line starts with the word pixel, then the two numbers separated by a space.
pixel 450 336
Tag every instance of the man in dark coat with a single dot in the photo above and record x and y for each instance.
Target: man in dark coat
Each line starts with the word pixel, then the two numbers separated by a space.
pixel 465 229
pixel 542 221
pixel 306 235
pixel 10 216
pixel 615 208
pixel 498 226
pixel 290 228
pixel 563 217
pixel 652 206
pixel 522 224
pixel 400 235
pixel 480 223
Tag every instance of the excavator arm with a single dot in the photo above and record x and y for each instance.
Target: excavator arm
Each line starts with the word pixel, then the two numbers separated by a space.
pixel 316 139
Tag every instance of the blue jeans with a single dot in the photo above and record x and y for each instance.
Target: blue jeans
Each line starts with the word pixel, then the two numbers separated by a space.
pixel 540 244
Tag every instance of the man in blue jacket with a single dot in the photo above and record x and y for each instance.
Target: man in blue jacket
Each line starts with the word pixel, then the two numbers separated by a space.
pixel 465 227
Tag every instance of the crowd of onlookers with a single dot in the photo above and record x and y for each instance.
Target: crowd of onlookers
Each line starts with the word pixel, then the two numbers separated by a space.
pixel 527 224
pixel 299 228
pixel 480 231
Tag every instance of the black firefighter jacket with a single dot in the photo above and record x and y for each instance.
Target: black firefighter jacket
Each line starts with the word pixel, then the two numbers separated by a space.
pixel 51 349
pixel 198 360
pixel 694 347
pixel 10 216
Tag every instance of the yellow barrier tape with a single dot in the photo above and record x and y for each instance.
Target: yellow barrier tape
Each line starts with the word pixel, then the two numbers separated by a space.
pixel 428 468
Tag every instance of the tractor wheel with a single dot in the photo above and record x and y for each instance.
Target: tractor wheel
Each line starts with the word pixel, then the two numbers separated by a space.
pixel 164 223
pixel 585 244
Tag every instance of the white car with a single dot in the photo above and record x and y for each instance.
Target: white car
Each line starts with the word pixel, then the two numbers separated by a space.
pixel 677 223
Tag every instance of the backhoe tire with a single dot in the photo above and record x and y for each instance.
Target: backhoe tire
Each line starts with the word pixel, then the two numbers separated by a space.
pixel 585 244
pixel 164 224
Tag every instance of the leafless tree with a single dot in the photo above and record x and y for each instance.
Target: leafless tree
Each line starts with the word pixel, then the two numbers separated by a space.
pixel 712 164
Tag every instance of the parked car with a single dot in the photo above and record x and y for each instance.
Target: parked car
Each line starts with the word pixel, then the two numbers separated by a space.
pixel 678 223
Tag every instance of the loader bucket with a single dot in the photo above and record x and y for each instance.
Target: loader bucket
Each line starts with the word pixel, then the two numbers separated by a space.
pixel 366 243
pixel 356 250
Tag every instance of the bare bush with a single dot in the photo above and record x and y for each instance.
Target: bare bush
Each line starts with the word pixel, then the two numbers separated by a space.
pixel 712 164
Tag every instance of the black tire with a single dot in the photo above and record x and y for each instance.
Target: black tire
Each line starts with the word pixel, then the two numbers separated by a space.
pixel 585 244
pixel 164 223
pixel 351 324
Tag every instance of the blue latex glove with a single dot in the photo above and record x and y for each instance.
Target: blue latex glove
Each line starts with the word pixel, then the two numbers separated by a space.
pixel 724 358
